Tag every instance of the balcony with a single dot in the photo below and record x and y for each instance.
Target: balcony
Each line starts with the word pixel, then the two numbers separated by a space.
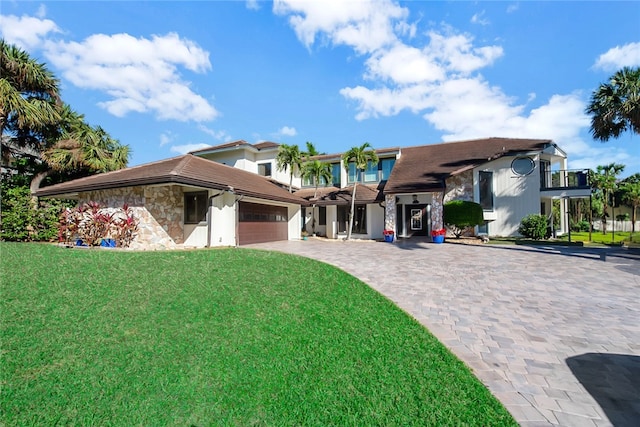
pixel 565 183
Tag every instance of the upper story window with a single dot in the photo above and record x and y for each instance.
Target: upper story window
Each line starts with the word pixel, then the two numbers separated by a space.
pixel 264 169
pixel 386 165
pixel 336 172
pixel 485 185
pixel 373 173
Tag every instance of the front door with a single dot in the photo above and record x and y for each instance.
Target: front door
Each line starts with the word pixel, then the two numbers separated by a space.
pixel 416 220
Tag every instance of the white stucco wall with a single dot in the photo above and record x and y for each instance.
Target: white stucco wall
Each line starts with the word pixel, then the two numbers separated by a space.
pixel 375 221
pixel 223 220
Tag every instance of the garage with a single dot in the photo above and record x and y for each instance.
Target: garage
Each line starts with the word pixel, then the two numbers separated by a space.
pixel 259 223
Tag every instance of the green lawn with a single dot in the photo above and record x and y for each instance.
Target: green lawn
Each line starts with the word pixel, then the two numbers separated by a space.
pixel 216 337
pixel 598 237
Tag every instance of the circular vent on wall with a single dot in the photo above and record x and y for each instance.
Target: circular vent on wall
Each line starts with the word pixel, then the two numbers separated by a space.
pixel 522 166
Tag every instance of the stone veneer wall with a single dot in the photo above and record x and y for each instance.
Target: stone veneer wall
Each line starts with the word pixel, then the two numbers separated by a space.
pixel 459 187
pixel 436 211
pixel 158 209
pixel 390 212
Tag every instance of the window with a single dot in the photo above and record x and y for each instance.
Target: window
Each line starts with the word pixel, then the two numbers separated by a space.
pixel 386 165
pixel 522 166
pixel 306 181
pixel 359 219
pixel 486 190
pixel 195 207
pixel 322 215
pixel 352 173
pixel 371 172
pixel 264 169
pixel 336 171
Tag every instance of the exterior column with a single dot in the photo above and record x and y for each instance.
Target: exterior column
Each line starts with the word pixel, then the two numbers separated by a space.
pixel 390 212
pixel 436 211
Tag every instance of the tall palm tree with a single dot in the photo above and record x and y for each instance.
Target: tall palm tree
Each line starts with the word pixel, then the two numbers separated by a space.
pixel 605 180
pixel 360 157
pixel 630 188
pixel 615 106
pixel 316 171
pixel 79 148
pixel 289 158
pixel 29 96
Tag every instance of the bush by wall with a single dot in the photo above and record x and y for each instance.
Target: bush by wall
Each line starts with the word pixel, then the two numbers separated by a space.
pixel 534 226
pixel 22 221
pixel 461 215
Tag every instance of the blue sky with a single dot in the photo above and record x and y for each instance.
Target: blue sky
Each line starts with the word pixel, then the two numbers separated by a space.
pixel 168 77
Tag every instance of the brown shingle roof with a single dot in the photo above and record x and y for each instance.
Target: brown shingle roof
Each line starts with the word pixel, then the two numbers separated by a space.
pixel 425 168
pixel 265 144
pixel 342 196
pixel 185 170
pixel 237 143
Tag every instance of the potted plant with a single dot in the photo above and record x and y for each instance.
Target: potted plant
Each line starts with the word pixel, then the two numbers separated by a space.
pixel 304 234
pixel 437 235
pixel 388 235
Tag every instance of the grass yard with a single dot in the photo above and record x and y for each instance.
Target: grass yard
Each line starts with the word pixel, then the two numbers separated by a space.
pixel 216 337
pixel 598 237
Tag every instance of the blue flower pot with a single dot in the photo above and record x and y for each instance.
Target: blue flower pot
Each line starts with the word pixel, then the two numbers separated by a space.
pixel 388 238
pixel 438 239
pixel 108 243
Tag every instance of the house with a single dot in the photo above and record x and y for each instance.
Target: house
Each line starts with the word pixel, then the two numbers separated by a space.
pixel 193 202
pixel 233 194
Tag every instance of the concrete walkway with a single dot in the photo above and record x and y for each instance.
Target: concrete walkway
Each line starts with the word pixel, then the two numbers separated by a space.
pixel 554 333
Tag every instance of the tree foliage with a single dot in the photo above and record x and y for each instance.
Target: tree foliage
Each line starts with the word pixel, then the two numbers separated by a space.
pixel 289 158
pixel 360 157
pixel 604 181
pixel 615 106
pixel 460 216
pixel 630 190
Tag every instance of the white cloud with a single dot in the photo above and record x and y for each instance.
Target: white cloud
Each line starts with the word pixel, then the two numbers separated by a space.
pixel 513 7
pixel 186 148
pixel 365 25
pixel 26 32
pixel 618 57
pixel 253 4
pixel 220 135
pixel 287 131
pixel 166 138
pixel 479 18
pixel 139 74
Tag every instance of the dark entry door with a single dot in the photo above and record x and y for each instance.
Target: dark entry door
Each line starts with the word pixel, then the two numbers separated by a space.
pixel 416 220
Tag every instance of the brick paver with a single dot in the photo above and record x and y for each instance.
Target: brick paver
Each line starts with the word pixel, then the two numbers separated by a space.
pixel 554 333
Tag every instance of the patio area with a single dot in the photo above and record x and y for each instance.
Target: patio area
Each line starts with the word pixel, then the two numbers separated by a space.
pixel 553 332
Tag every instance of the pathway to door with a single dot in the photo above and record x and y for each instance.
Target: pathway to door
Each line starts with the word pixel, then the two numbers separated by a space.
pixel 553 333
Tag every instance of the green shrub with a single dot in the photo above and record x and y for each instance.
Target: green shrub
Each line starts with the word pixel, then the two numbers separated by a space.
pixel 22 221
pixel 581 226
pixel 534 226
pixel 461 215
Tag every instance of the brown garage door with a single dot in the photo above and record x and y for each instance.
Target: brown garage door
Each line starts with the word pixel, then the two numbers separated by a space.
pixel 261 223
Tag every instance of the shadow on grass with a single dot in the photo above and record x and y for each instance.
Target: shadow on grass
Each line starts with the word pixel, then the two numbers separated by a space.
pixel 613 380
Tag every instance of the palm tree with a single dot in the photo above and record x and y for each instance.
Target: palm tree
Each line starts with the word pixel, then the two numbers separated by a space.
pixel 289 157
pixel 29 96
pixel 604 179
pixel 79 148
pixel 360 156
pixel 630 188
pixel 615 106
pixel 316 171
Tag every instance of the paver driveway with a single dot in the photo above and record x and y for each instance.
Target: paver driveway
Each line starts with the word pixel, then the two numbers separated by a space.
pixel 553 333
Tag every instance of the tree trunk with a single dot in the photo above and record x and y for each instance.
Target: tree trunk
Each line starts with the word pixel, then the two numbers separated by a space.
pixel 35 185
pixel 353 206
pixel 291 181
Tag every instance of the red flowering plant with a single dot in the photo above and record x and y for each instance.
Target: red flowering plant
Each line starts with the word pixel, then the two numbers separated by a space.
pixel 438 232
pixel 388 232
